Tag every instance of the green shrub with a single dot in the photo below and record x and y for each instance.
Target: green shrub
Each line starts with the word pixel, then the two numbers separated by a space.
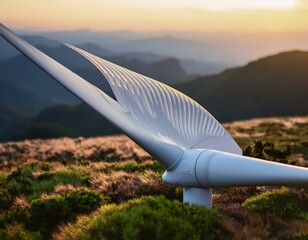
pixel 134 166
pixel 147 218
pixel 17 232
pixel 22 180
pixel 47 214
pixel 6 199
pixel 268 151
pixel 3 176
pixel 28 169
pixel 301 236
pixel 281 202
pixel 73 176
pixel 19 181
pixel 84 201
pixel 13 216
pixel 82 174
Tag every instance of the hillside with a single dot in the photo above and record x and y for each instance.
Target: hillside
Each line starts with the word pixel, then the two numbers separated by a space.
pixel 29 102
pixel 284 131
pixel 60 121
pixel 67 179
pixel 271 86
pixel 9 117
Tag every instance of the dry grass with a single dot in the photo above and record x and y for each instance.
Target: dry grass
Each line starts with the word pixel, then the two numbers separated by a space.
pixel 65 188
pixel 68 149
pixel 120 147
pixel 106 157
pixel 20 203
pixel 246 224
pixel 122 186
pixel 286 122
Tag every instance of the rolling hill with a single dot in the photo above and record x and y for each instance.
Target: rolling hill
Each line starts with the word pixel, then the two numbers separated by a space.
pixel 59 121
pixel 9 118
pixel 272 86
pixel 29 102
pixel 22 73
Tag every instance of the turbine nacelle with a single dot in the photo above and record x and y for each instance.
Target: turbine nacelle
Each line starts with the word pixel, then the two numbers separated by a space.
pixel 205 168
pixel 200 170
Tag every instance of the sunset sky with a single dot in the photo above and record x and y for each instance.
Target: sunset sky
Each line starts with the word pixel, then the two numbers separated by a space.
pixel 157 15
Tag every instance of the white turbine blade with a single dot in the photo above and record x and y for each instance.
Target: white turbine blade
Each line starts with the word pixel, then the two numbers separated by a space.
pixel 164 111
pixel 165 152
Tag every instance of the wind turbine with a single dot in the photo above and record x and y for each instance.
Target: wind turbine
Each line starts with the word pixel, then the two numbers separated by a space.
pixel 197 152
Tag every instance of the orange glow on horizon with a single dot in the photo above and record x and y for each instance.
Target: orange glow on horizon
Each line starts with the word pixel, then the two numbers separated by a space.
pixel 145 16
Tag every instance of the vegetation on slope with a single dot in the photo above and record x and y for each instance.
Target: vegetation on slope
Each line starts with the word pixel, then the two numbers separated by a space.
pixel 147 218
pixel 281 202
pixel 97 188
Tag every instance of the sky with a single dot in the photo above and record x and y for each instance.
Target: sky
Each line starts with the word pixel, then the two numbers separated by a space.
pixel 157 15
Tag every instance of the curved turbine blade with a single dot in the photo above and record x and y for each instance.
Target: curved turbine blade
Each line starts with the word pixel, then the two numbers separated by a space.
pixel 163 111
pixel 166 153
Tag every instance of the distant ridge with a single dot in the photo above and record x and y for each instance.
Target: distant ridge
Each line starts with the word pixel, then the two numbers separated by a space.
pixel 20 72
pixel 271 86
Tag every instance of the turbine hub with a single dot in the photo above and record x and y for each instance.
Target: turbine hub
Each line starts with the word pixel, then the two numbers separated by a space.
pixel 184 172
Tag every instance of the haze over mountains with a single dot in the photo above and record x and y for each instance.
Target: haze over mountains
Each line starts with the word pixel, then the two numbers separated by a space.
pixel 33 105
pixel 199 52
pixel 18 72
pixel 214 49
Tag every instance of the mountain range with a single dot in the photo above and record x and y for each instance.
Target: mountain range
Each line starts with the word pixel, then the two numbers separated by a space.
pixel 18 72
pixel 211 49
pixel 271 86
pixel 25 89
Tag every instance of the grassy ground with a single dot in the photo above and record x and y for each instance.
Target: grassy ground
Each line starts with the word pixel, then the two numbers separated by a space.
pixel 292 131
pixel 46 187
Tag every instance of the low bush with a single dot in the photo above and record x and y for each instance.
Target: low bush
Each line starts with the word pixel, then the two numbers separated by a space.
pixel 84 201
pixel 301 236
pixel 13 216
pixel 281 202
pixel 268 151
pixel 147 218
pixel 34 179
pixel 19 181
pixel 73 176
pixel 134 166
pixel 3 176
pixel 17 232
pixel 6 199
pixel 46 214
